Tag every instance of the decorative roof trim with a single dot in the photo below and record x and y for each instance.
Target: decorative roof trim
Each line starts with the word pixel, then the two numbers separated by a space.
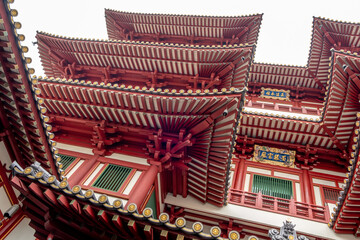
pixel 185 15
pixel 130 88
pixel 335 21
pixel 175 45
pixel 350 175
pixel 40 119
pixel 36 173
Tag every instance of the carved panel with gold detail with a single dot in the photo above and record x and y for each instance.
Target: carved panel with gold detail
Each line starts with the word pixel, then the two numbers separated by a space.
pixel 274 156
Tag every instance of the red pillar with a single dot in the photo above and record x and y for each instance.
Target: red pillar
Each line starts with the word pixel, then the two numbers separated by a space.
pixel 240 174
pixel 138 194
pixel 307 187
pixel 174 181
pixel 82 171
pixel 184 186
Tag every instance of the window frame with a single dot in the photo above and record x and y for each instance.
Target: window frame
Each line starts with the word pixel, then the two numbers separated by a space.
pixel 119 193
pixel 292 184
pixel 105 160
pixel 272 169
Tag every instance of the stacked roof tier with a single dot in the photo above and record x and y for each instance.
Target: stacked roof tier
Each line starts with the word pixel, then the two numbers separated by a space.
pixel 345 79
pixel 183 29
pixel 196 128
pixel 152 65
pixel 307 85
pixel 319 113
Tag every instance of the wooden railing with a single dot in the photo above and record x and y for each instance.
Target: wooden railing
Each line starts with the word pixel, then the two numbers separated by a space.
pixel 279 205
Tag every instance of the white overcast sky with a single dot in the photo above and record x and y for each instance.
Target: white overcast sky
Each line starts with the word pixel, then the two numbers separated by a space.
pixel 284 34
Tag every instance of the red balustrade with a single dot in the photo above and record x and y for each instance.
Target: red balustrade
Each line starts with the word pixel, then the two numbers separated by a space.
pixel 279 205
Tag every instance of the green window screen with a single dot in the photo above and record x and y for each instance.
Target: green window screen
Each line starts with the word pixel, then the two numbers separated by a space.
pixel 272 186
pixel 152 203
pixel 112 177
pixel 66 160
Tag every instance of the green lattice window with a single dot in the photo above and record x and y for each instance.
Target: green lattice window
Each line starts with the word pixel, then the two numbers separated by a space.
pixel 66 160
pixel 112 177
pixel 272 186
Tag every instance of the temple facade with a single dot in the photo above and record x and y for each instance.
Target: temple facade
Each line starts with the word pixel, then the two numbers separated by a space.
pixel 170 130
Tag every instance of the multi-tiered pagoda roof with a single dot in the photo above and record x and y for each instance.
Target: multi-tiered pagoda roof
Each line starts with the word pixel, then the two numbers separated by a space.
pixel 171 89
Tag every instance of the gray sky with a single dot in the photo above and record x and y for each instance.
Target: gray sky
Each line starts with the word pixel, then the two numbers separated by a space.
pixel 284 35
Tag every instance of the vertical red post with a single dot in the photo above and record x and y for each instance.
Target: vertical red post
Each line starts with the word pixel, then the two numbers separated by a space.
pixel 292 207
pixel 307 187
pixel 240 173
pixel 184 187
pixel 174 181
pixel 259 200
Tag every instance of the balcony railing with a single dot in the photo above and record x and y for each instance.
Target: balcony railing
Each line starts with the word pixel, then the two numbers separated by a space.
pixel 279 205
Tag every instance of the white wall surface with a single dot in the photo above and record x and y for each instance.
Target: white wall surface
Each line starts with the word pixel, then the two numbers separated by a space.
pixel 317 194
pixel 5 158
pixel 22 231
pixel 4 201
pixel 286 175
pixel 298 192
pixel 340 174
pixel 247 183
pixel 324 182
pixel 74 148
pixel 259 170
pixel 128 158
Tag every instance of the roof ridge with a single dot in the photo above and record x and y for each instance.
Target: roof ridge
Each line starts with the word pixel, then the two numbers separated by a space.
pixel 336 21
pixel 230 46
pixel 184 15
pixel 342 51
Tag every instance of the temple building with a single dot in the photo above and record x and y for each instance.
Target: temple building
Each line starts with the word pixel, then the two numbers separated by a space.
pixel 170 130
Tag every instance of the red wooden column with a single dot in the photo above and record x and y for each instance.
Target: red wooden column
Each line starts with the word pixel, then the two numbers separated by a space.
pixel 240 174
pixel 138 194
pixel 309 198
pixel 82 171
